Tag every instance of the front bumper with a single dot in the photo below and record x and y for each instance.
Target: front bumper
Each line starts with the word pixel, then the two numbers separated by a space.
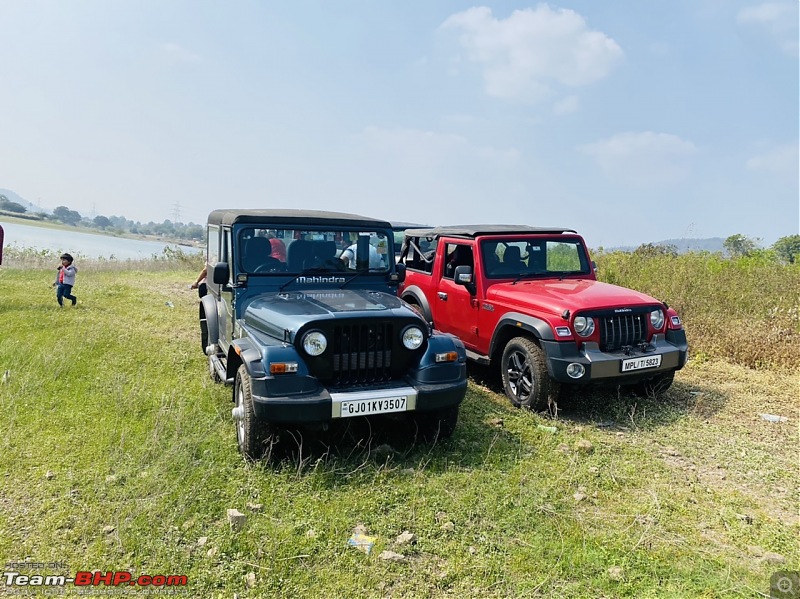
pixel 606 367
pixel 323 406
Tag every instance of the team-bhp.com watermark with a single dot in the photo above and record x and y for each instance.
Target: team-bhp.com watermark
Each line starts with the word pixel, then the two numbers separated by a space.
pixel 14 580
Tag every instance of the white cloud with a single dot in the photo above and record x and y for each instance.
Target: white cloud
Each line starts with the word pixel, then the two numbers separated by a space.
pixel 566 105
pixel 783 159
pixel 428 149
pixel 778 19
pixel 178 53
pixel 525 55
pixel 644 158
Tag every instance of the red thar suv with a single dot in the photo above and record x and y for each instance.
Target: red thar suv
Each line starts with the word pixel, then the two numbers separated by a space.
pixel 527 299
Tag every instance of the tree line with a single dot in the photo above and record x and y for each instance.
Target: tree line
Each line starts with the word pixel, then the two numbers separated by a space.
pixel 786 249
pixel 112 224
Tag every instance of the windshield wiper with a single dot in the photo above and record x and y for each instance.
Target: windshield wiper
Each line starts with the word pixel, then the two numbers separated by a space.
pixel 525 275
pixel 347 282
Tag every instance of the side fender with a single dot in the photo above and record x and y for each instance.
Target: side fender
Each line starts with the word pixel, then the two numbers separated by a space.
pixel 512 323
pixel 416 295
pixel 243 351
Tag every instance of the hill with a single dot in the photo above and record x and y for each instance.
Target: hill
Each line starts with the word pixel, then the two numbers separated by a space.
pixel 684 245
pixel 29 206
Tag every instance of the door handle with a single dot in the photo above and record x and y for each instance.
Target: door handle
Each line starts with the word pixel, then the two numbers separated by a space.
pixel 442 295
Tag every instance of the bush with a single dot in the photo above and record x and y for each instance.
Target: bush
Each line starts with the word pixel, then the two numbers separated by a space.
pixel 746 309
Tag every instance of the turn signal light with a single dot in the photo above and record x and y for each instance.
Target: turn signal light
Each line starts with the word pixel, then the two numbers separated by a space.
pixel 449 356
pixel 282 367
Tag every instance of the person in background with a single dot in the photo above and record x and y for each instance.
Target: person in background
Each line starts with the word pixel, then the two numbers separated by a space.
pixel 348 256
pixel 200 283
pixel 65 280
pixel 278 247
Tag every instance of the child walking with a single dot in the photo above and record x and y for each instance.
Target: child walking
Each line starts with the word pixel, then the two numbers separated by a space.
pixel 65 279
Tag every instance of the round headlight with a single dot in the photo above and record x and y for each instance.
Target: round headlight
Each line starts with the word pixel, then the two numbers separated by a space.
pixel 657 319
pixel 314 343
pixel 413 337
pixel 584 325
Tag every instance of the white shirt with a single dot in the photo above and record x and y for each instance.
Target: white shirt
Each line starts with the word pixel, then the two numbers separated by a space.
pixel 349 255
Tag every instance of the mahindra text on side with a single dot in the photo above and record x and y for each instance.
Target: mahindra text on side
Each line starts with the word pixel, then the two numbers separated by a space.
pixel 527 300
pixel 302 318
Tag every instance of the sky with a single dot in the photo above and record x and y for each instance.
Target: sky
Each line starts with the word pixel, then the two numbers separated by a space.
pixel 631 121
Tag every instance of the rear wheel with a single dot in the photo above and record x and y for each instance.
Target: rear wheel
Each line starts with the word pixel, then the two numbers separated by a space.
pixel 213 371
pixel 525 378
pixel 253 436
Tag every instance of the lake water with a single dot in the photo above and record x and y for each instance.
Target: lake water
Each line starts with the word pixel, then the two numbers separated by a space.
pixel 82 244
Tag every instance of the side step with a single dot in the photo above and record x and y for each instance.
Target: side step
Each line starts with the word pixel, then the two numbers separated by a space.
pixel 219 368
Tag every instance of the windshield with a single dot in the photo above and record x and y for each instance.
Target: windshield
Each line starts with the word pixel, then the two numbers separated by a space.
pixel 267 250
pixel 533 256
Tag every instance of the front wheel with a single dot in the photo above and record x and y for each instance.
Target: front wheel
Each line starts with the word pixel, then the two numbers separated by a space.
pixel 253 436
pixel 525 378
pixel 656 385
pixel 437 424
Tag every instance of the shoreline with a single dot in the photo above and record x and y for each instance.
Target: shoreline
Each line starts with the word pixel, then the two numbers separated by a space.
pixel 91 231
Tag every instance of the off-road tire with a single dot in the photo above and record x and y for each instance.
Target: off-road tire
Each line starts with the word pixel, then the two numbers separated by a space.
pixel 656 385
pixel 254 437
pixel 438 424
pixel 212 372
pixel 523 367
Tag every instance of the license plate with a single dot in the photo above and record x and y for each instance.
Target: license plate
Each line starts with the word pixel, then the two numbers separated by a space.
pixel 365 407
pixel 375 401
pixel 641 363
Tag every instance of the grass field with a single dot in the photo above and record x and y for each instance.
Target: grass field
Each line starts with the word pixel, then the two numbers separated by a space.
pixel 118 453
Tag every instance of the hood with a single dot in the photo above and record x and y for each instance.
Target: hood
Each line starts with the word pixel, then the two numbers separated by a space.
pixel 282 314
pixel 568 294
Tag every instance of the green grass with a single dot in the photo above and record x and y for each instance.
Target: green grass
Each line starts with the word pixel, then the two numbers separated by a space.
pixel 113 400
pixel 745 310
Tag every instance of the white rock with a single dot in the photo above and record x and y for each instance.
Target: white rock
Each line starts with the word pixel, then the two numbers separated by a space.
pixel 392 556
pixel 236 519
pixel 406 537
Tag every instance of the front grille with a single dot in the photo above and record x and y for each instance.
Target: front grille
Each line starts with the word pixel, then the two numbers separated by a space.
pixel 362 353
pixel 622 330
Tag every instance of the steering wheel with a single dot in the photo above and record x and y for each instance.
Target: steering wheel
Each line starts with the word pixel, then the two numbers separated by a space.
pixel 270 264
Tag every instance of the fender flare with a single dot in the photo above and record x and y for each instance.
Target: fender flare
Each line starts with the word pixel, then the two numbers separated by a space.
pixel 419 297
pixel 537 327
pixel 209 321
pixel 244 351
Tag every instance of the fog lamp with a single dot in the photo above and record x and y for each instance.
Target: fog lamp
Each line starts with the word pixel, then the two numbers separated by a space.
pixel 575 370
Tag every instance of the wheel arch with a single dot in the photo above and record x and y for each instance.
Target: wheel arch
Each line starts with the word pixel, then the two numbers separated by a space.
pixel 513 325
pixel 414 294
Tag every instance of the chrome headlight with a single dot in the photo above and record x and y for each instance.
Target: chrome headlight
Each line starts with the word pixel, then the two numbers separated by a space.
pixel 584 325
pixel 657 319
pixel 413 338
pixel 314 342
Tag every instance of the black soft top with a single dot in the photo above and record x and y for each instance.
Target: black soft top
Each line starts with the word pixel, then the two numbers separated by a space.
pixel 294 217
pixel 472 231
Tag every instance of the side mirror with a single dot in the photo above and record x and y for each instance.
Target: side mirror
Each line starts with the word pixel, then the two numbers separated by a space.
pixel 462 275
pixel 594 267
pixel 222 273
pixel 399 274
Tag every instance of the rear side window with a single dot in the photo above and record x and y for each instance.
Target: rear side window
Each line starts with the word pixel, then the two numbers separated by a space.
pixel 213 244
pixel 420 255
